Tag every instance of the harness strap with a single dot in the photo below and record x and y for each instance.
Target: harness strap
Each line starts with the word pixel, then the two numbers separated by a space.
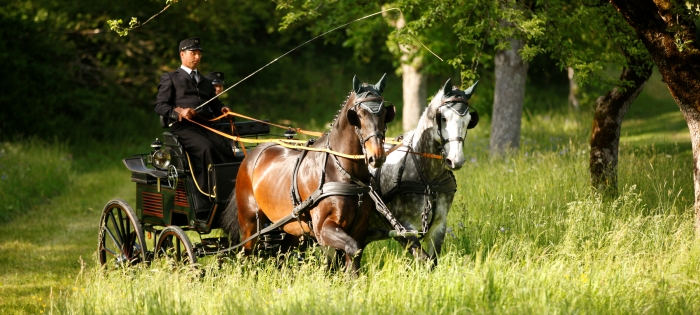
pixel 327 190
pixel 296 198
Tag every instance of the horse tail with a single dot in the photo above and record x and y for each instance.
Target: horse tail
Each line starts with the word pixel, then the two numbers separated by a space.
pixel 229 219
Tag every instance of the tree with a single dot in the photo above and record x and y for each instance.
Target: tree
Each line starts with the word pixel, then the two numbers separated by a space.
pixel 509 96
pixel 667 30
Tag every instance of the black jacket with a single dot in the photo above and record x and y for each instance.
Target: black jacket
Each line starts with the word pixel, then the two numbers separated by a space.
pixel 178 89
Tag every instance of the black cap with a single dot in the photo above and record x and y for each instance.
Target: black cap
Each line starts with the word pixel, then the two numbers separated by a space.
pixel 215 77
pixel 191 44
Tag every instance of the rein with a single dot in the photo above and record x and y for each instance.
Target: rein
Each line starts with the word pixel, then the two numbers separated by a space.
pixel 291 144
pixel 326 189
pixel 299 144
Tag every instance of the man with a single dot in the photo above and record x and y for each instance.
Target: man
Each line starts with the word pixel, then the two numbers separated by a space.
pixel 217 79
pixel 179 94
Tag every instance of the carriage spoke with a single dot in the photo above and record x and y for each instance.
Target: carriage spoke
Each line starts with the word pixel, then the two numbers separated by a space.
pixel 114 223
pixel 121 226
pixel 109 251
pixel 111 235
pixel 121 239
pixel 178 251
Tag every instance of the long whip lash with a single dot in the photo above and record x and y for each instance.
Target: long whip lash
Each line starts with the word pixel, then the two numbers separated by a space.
pixel 310 40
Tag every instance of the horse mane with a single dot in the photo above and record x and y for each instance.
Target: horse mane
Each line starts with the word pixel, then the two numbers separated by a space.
pixel 349 100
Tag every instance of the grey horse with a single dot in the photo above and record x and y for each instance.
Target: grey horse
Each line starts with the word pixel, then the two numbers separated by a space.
pixel 416 182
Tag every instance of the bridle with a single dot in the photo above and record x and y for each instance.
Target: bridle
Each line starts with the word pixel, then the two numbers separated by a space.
pixel 374 105
pixel 459 105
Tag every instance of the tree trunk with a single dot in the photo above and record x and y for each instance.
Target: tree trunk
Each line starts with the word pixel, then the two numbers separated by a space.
pixel 670 40
pixel 415 96
pixel 573 89
pixel 607 121
pixel 511 74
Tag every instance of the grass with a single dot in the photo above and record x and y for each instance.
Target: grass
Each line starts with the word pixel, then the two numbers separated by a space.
pixel 526 236
pixel 31 171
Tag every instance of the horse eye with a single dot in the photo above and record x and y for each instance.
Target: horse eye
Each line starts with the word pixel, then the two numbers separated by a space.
pixel 444 118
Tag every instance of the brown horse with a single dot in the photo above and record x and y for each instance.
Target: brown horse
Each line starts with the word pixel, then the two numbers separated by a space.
pixel 328 192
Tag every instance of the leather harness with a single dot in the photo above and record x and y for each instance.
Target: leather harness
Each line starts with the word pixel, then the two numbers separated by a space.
pixel 327 189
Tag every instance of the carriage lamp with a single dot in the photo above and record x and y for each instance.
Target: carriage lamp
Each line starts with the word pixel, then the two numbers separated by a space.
pixel 161 159
pixel 156 144
pixel 290 133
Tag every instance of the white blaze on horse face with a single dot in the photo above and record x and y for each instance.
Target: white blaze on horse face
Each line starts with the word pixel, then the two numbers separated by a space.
pixel 454 126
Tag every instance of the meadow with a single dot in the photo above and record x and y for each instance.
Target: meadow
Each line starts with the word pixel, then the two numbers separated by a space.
pixel 526 236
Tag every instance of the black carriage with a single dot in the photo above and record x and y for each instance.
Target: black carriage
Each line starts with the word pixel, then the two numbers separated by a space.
pixel 163 223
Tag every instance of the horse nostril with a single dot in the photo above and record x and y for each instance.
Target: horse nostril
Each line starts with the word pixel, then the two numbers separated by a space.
pixel 371 160
pixel 449 162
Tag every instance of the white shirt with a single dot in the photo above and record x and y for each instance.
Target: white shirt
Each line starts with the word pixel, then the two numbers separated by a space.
pixel 188 70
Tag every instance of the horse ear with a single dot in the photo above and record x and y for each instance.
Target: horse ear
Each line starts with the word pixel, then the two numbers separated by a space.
pixel 470 90
pixel 381 84
pixel 352 118
pixel 447 87
pixel 390 114
pixel 356 84
pixel 474 120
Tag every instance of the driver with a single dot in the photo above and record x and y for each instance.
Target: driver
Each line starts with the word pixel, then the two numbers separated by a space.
pixel 217 79
pixel 179 93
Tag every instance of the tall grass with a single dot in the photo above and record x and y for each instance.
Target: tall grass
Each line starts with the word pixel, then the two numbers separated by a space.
pixel 31 172
pixel 526 236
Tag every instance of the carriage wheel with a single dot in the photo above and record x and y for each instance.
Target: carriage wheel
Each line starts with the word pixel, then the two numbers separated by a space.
pixel 121 238
pixel 174 244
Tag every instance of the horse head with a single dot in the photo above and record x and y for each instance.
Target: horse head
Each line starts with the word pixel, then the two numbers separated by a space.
pixel 366 112
pixel 451 117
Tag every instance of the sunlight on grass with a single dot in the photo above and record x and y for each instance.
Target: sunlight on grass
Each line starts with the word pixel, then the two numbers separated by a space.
pixel 526 235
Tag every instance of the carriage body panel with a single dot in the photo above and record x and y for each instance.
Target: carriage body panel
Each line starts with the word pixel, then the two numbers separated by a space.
pixel 162 211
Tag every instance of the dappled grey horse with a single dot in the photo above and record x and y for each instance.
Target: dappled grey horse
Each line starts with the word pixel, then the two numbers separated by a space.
pixel 416 181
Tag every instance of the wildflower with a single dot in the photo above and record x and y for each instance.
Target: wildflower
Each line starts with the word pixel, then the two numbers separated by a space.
pixel 584 278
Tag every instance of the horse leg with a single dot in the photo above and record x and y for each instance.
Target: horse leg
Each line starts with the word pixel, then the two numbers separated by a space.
pixel 434 239
pixel 248 217
pixel 435 235
pixel 376 235
pixel 333 235
pixel 333 258
pixel 412 245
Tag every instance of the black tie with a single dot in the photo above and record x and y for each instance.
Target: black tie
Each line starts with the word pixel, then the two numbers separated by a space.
pixel 193 74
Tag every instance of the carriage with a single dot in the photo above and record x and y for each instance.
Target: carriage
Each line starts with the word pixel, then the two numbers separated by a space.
pixel 162 223
pixel 344 197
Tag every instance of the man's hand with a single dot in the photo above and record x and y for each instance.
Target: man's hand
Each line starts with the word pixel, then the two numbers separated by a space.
pixel 225 110
pixel 187 113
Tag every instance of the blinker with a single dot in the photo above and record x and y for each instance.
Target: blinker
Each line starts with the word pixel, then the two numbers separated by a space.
pixel 372 104
pixel 461 108
pixel 373 108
